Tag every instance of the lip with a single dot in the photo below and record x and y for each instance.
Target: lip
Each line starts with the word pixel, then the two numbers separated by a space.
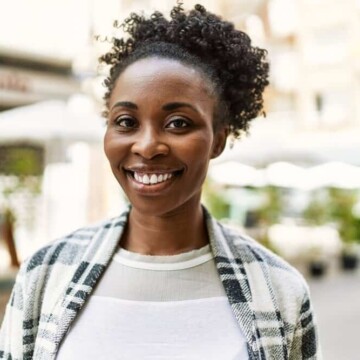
pixel 151 189
pixel 151 169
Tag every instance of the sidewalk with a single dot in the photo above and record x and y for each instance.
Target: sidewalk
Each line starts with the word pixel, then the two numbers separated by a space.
pixel 336 299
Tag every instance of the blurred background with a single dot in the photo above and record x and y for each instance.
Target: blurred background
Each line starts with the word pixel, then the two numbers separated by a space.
pixel 293 183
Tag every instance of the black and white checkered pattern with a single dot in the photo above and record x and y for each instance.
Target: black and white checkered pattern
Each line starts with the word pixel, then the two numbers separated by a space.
pixel 269 298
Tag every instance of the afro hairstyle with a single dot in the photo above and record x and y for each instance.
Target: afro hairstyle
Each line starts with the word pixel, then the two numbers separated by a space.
pixel 238 70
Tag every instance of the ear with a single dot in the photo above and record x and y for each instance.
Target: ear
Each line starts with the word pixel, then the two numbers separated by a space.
pixel 219 143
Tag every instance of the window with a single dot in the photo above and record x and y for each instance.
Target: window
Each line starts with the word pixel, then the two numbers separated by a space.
pixel 328 45
pixel 333 106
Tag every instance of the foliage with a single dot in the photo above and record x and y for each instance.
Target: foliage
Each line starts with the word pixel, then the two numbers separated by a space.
pixel 341 205
pixel 21 160
pixel 317 211
pixel 272 208
pixel 336 207
pixel 216 202
pixel 21 168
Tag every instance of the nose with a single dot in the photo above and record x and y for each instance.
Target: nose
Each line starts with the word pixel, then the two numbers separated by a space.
pixel 149 144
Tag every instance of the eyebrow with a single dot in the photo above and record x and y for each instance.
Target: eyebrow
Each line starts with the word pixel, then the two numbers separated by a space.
pixel 166 107
pixel 177 105
pixel 127 104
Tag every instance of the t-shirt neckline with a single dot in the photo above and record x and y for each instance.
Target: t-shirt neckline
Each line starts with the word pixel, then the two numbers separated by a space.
pixel 181 261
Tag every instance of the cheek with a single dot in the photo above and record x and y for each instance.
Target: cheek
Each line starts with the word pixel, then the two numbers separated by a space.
pixel 113 148
pixel 108 146
pixel 198 151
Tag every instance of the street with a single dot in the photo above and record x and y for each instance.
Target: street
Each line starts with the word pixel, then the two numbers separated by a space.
pixel 336 299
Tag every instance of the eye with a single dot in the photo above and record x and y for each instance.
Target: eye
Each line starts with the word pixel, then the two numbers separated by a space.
pixel 178 123
pixel 125 122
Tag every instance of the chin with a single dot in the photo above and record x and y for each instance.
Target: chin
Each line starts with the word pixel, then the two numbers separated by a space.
pixel 164 207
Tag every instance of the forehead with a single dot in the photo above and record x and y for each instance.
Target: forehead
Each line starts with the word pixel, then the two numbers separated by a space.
pixel 158 77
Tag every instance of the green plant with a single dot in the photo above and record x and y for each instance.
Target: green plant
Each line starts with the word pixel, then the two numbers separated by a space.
pixel 271 210
pixel 316 212
pixel 21 168
pixel 336 207
pixel 341 205
pixel 215 200
pixel 21 160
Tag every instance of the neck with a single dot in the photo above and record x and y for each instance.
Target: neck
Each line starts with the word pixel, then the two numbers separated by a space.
pixel 171 234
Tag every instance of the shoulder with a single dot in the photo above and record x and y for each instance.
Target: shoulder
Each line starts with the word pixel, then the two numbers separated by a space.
pixel 264 268
pixel 69 249
pixel 279 294
pixel 45 275
pixel 65 248
pixel 252 251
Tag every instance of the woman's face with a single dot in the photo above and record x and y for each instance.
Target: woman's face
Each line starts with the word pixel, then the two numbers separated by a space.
pixel 160 136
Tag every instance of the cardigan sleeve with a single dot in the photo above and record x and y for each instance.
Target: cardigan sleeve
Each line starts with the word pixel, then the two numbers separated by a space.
pixel 305 344
pixel 12 328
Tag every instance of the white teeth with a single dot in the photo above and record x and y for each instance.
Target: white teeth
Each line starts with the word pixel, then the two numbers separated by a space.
pixel 151 178
pixel 146 179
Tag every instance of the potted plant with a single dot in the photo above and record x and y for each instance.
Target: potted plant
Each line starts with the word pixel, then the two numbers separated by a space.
pixel 342 204
pixel 350 233
pixel 317 265
pixel 317 214
pixel 270 212
pixel 21 169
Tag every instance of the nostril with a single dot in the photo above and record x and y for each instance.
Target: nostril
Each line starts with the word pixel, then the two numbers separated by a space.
pixel 150 150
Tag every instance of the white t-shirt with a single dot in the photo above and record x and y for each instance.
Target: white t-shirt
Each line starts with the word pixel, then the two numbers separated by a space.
pixel 157 307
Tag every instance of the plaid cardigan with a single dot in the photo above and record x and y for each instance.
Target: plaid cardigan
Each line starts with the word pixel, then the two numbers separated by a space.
pixel 269 299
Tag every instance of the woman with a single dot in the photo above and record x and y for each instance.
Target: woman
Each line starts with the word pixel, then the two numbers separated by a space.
pixel 178 284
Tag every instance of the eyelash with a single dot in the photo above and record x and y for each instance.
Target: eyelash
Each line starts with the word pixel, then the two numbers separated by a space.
pixel 121 119
pixel 185 123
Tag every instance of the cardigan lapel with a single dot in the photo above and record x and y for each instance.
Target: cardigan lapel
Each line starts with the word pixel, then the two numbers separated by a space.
pixel 95 260
pixel 230 265
pixel 235 281
pixel 243 272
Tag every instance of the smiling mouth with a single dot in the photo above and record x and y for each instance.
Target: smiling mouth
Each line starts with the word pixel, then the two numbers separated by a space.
pixel 152 178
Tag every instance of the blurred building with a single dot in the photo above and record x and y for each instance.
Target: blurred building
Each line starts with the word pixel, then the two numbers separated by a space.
pixel 39 109
pixel 313 102
pixel 27 78
pixel 315 51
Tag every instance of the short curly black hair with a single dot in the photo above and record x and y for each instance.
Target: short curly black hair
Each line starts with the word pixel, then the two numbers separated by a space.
pixel 238 70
